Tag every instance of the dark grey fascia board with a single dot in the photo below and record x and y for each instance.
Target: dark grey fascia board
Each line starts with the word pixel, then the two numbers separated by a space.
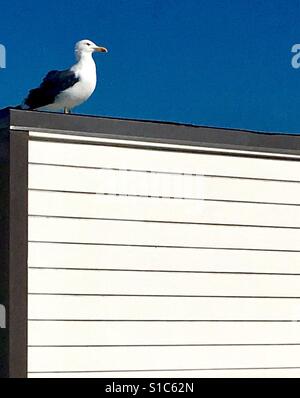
pixel 151 131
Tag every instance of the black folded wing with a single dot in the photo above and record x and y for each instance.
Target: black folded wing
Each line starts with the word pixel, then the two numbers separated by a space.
pixel 52 85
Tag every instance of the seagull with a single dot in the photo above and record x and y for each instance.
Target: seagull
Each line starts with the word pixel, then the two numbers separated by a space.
pixel 66 89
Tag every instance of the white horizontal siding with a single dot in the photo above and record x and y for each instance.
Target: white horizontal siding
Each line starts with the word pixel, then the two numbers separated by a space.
pixel 158 283
pixel 139 233
pixel 141 358
pixel 242 256
pixel 172 259
pixel 130 158
pixel 97 206
pixel 108 333
pixel 136 183
pixel 161 308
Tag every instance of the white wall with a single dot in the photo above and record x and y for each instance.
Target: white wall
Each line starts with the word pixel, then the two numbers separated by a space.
pixel 155 263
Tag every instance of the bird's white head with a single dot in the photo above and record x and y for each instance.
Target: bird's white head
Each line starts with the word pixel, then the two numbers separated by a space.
pixel 84 47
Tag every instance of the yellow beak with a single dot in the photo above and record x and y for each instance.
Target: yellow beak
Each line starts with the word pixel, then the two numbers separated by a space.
pixel 100 50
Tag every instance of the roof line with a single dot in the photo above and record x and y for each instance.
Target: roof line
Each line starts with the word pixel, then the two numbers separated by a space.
pixel 6 111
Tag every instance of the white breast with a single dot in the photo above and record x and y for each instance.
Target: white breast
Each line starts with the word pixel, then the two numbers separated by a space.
pixel 85 70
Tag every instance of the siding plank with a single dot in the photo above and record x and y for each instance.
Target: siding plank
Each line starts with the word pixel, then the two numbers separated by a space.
pixel 137 233
pixel 107 156
pixel 144 258
pixel 85 205
pixel 160 308
pixel 128 333
pixel 156 283
pixel 132 183
pixel 112 358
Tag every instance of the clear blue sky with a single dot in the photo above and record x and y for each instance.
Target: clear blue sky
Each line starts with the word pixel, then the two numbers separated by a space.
pixel 222 63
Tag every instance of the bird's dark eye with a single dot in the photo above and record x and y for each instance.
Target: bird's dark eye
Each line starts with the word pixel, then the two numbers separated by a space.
pixel 88 44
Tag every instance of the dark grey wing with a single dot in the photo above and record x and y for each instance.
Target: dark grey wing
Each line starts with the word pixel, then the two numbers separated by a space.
pixel 53 84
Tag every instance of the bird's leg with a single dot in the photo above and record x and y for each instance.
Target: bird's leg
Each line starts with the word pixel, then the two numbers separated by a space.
pixel 67 110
